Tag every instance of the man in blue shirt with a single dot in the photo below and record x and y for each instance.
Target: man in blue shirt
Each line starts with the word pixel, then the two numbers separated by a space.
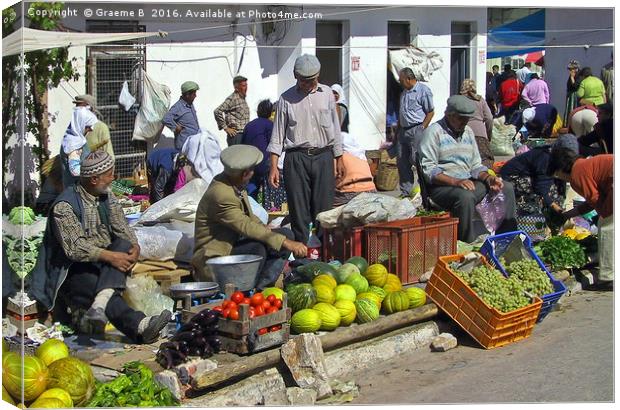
pixel 182 118
pixel 416 112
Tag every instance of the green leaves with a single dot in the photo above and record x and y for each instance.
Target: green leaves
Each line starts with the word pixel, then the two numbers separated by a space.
pixel 561 252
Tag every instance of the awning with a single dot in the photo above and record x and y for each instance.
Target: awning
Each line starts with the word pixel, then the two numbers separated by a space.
pixel 526 35
pixel 27 39
pixel 536 57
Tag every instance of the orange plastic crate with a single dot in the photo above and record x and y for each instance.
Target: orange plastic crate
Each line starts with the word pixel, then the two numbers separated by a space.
pixel 342 244
pixel 487 325
pixel 411 247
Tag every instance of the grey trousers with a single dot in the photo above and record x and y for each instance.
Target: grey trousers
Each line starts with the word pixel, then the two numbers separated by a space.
pixel 408 143
pixel 310 185
pixel 462 204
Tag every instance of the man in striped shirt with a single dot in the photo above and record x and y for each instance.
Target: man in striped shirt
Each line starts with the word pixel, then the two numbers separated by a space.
pixel 451 164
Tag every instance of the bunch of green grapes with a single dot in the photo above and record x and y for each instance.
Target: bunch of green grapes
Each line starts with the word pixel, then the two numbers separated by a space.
pixel 503 294
pixel 533 279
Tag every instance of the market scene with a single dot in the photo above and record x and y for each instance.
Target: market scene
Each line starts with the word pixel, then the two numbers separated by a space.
pixel 211 205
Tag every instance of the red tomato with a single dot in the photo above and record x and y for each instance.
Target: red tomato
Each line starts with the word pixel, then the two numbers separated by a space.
pixel 271 310
pixel 275 328
pixel 271 298
pixel 262 331
pixel 266 305
pixel 232 305
pixel 259 310
pixel 252 314
pixel 218 309
pixel 257 299
pixel 233 314
pixel 225 313
pixel 237 297
pixel 245 301
pixel 278 303
pixel 225 303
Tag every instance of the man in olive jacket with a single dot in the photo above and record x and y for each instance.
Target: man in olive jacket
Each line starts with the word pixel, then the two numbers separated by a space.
pixel 225 224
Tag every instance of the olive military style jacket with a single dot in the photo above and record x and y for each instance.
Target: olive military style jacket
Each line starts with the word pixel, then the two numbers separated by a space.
pixel 224 216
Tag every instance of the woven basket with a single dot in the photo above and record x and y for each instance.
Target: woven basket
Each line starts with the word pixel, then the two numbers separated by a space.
pixel 387 177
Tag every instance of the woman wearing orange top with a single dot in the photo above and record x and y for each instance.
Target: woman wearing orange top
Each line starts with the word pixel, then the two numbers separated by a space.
pixel 357 177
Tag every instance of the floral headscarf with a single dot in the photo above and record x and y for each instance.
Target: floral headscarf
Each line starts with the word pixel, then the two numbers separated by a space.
pixel 573 64
pixel 468 89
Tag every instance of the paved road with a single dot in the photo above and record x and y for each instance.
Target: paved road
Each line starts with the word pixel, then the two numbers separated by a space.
pixel 568 358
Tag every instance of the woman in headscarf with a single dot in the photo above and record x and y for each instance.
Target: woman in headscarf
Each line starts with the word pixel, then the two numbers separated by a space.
pixel 481 122
pixel 572 85
pixel 74 147
pixel 357 177
pixel 341 107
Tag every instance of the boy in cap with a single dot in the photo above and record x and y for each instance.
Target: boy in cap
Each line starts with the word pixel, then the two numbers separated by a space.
pixel 182 118
pixel 593 179
pixel 225 224
pixel 88 249
pixel 307 128
pixel 99 137
pixel 234 113
pixel 451 164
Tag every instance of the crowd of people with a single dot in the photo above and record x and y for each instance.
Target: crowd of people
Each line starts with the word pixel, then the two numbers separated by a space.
pixel 298 151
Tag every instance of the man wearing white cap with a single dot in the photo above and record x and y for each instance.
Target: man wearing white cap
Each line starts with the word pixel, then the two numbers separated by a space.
pixel 307 128
pixel 225 224
pixel 99 137
pixel 88 249
pixel 182 118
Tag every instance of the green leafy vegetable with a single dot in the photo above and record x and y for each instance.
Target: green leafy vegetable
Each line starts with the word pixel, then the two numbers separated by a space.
pixel 561 252
pixel 136 387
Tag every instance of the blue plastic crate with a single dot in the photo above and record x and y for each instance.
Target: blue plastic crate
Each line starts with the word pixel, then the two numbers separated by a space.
pixel 497 244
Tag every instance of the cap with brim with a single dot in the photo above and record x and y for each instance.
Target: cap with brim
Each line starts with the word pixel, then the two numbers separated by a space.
pixel 568 141
pixel 96 163
pixel 461 105
pixel 85 98
pixel 189 86
pixel 307 66
pixel 241 157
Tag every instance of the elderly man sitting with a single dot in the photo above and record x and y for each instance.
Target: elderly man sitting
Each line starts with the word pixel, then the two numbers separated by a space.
pixel 225 224
pixel 88 249
pixel 451 164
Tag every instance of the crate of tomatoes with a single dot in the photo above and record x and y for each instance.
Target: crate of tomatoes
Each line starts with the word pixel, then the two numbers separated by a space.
pixel 253 322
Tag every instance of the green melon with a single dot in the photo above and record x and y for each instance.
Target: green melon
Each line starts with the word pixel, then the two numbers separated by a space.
pixel 376 274
pixel 393 283
pixel 395 302
pixel 345 292
pixel 74 376
pixel 313 269
pixel 360 262
pixel 33 380
pixel 367 310
pixel 324 294
pixel 7 397
pixel 330 316
pixel 52 350
pixel 345 271
pixel 279 293
pixel 324 280
pixel 370 296
pixel 305 321
pixel 347 311
pixel 301 296
pixel 417 297
pixel 379 291
pixel 359 283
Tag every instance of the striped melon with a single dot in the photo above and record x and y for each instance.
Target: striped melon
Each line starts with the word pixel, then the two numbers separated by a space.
pixel 326 280
pixel 330 316
pixel 393 283
pixel 376 275
pixel 367 310
pixel 370 296
pixel 324 294
pixel 347 311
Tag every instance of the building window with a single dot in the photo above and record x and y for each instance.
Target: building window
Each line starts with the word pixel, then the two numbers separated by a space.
pixel 460 54
pixel 329 34
pixel 399 34
pixel 109 66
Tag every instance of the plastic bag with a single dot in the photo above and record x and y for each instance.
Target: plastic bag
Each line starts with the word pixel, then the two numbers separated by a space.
pixel 154 105
pixel 157 243
pixel 258 210
pixel 492 210
pixel 501 143
pixel 125 98
pixel 144 294
pixel 421 62
pixel 373 208
pixel 180 205
pixel 332 218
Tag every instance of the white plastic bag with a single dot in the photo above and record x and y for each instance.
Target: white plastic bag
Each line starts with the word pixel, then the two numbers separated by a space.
pixel 154 105
pixel 180 205
pixel 144 294
pixel 373 208
pixel 259 211
pixel 125 98
pixel 332 218
pixel 157 242
pixel 501 143
pixel 422 64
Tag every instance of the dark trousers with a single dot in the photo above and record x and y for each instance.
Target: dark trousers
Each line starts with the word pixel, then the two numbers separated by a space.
pixel 462 204
pixel 273 261
pixel 408 143
pixel 310 185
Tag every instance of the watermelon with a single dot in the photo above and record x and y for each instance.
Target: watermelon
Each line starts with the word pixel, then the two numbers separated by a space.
pixel 345 292
pixel 393 283
pixel 379 291
pixel 376 274
pixel 345 271
pixel 370 296
pixel 417 297
pixel 306 321
pixel 359 283
pixel 347 311
pixel 314 269
pixel 395 302
pixel 330 316
pixel 326 280
pixel 324 294
pixel 74 376
pixel 360 262
pixel 367 310
pixel 301 296
pixel 34 379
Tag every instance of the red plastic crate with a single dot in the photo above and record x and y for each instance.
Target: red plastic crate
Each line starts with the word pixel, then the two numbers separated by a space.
pixel 411 247
pixel 341 244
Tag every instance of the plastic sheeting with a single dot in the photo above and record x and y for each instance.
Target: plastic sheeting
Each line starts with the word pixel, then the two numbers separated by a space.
pixel 422 63
pixel 522 36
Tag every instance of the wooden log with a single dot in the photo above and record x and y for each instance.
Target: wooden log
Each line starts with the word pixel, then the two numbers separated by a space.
pixel 330 341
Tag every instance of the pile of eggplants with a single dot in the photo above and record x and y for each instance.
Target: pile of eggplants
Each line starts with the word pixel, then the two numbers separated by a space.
pixel 198 338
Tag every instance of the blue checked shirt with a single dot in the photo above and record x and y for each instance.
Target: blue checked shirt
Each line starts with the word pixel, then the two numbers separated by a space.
pixel 415 104
pixel 183 114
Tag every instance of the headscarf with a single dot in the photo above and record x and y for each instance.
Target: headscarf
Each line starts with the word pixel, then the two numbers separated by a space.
pixel 203 151
pixel 351 145
pixel 341 98
pixel 573 64
pixel 468 89
pixel 74 136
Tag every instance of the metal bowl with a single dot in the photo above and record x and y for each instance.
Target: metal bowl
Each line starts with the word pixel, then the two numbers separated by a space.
pixel 239 270
pixel 199 288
